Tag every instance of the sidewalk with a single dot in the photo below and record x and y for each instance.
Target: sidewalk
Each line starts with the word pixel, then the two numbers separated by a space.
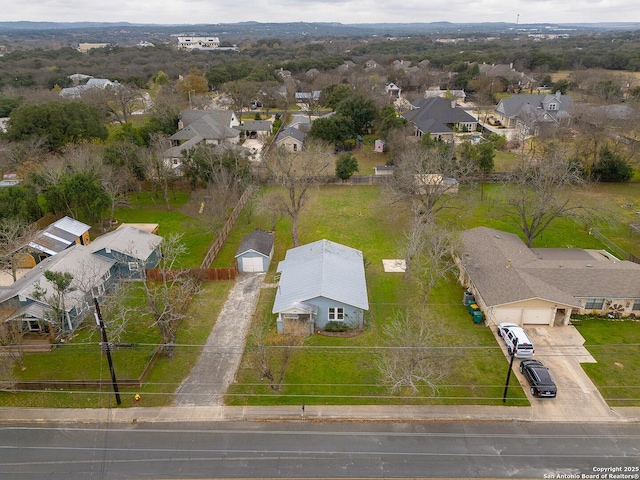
pixel 399 413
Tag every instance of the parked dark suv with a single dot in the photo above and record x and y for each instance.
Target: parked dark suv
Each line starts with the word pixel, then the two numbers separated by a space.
pixel 542 385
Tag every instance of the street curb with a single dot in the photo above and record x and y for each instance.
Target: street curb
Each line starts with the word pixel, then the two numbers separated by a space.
pixel 371 413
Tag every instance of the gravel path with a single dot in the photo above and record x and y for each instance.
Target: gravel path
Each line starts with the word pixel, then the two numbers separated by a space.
pixel 220 358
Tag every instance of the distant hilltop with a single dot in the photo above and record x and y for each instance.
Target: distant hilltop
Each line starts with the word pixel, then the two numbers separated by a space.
pixel 325 28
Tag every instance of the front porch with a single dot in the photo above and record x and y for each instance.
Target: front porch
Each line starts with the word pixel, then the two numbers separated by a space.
pixel 299 319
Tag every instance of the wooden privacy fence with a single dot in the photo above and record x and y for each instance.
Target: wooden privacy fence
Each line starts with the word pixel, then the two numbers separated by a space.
pixel 224 232
pixel 201 274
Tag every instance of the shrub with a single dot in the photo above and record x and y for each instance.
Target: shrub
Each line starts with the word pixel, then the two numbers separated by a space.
pixel 336 327
pixel 611 167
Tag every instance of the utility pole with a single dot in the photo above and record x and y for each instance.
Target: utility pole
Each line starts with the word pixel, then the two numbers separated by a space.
pixel 105 342
pixel 506 385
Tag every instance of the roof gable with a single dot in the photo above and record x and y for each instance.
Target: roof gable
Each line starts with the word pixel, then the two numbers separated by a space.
pixel 129 241
pixel 291 132
pixel 86 268
pixel 436 112
pixel 258 241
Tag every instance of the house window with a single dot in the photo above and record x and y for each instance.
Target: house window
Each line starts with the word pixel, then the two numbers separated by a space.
pixel 98 290
pixel 133 266
pixel 594 303
pixel 336 314
pixel 636 304
pixel 553 106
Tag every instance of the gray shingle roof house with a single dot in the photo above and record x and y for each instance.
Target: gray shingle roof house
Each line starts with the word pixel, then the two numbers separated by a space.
pixel 258 128
pixel 507 71
pixel 121 254
pixel 291 138
pixel 212 127
pixel 92 276
pixel 439 117
pixel 132 248
pixel 321 282
pixel 545 108
pixel 255 252
pixel 514 283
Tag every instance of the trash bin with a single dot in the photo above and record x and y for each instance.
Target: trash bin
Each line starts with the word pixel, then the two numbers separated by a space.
pixel 472 307
pixel 477 316
pixel 468 298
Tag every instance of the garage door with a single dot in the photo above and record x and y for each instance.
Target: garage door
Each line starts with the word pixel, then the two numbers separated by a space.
pixel 511 315
pixel 537 316
pixel 252 264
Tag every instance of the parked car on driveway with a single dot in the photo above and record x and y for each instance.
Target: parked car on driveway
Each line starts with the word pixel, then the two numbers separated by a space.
pixel 516 339
pixel 542 385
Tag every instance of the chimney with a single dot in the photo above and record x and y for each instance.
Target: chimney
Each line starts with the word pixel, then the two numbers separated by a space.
pixel 453 103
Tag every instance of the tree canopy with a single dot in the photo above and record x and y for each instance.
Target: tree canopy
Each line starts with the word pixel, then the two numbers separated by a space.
pixel 59 123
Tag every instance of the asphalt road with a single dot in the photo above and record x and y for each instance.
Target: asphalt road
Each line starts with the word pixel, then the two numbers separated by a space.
pixel 306 449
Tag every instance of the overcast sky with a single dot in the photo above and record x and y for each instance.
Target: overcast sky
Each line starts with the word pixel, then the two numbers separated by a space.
pixel 360 11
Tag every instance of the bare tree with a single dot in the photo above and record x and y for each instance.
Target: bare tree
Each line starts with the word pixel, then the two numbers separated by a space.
pixel 421 179
pixel 428 253
pixel 11 338
pixel 116 182
pixel 409 359
pixel 159 170
pixel 271 351
pixel 297 173
pixel 14 233
pixel 242 93
pixel 539 193
pixel 220 195
pixel 118 101
pixel 21 154
pixel 118 310
pixel 526 128
pixel 56 298
pixel 7 377
pixel 167 299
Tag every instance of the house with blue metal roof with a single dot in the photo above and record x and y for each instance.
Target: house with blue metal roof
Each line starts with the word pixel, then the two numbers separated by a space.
pixel 321 282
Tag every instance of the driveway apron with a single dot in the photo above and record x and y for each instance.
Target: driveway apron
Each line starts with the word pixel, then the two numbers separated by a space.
pixel 561 349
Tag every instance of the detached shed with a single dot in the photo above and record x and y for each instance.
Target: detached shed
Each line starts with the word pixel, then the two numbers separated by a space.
pixel 255 252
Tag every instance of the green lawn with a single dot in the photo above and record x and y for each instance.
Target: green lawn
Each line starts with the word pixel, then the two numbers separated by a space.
pixel 81 359
pixel 146 207
pixel 341 370
pixel 614 344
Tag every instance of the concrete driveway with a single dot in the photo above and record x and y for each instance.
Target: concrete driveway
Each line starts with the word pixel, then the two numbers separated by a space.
pixel 220 359
pixel 561 349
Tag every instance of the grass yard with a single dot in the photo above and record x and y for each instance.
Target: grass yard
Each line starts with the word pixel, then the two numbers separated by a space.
pixel 146 207
pixel 335 370
pixel 614 345
pixel 81 359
